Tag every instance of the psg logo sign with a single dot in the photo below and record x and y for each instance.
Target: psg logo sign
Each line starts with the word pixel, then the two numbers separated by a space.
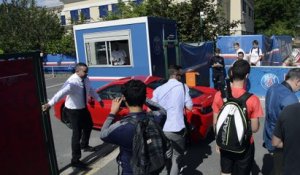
pixel 268 80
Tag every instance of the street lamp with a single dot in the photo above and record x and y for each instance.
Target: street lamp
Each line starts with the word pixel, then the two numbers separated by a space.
pixel 202 17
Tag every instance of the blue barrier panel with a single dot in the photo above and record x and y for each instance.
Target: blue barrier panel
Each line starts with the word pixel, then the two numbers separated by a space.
pixel 263 77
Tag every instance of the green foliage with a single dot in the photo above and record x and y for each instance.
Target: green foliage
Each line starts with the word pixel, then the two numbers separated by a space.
pixel 26 27
pixel 65 46
pixel 276 17
pixel 186 14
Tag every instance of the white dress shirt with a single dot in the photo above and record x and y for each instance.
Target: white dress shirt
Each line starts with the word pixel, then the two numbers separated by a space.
pixel 73 89
pixel 171 97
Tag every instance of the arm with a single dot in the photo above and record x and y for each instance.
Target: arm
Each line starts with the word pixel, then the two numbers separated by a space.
pixel 255 112
pixel 216 106
pixel 107 128
pixel 188 100
pixel 278 133
pixel 277 142
pixel 215 115
pixel 160 110
pixel 261 55
pixel 65 90
pixel 255 125
pixel 92 92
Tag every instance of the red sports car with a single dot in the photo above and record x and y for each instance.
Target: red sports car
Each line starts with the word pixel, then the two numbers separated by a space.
pixel 201 117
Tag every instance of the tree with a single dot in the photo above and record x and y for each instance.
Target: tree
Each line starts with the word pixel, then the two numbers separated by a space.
pixel 276 17
pixel 65 45
pixel 26 27
pixel 186 14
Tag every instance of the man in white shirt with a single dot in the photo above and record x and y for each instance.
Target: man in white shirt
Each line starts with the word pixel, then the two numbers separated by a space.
pixel 255 54
pixel 174 97
pixel 76 89
pixel 118 56
pixel 238 50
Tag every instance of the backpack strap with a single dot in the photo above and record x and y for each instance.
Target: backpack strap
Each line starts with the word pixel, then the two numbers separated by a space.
pixel 245 97
pixel 257 50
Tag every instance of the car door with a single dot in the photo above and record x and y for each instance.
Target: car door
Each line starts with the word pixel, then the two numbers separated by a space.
pixel 99 113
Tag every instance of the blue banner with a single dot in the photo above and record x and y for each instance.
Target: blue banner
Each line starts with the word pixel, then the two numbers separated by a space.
pixel 261 78
pixel 192 55
pixel 275 49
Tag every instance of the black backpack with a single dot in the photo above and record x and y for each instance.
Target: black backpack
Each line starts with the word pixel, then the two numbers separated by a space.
pixel 233 127
pixel 150 147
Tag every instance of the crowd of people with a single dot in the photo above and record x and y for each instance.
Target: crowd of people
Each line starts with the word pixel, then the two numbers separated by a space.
pixel 172 99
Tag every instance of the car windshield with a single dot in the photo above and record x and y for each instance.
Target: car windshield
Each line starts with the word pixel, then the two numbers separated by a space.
pixel 155 84
pixel 195 93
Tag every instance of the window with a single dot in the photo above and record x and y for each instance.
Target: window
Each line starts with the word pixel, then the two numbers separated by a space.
pixel 111 92
pixel 85 13
pixel 63 20
pixel 103 11
pixel 74 15
pixel 108 48
pixel 114 8
pixel 138 2
pixel 249 12
pixel 244 7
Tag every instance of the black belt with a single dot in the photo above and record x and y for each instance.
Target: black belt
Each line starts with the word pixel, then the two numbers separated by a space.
pixel 181 132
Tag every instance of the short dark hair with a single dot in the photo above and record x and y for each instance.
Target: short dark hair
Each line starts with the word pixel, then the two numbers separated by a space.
pixel 255 42
pixel 217 50
pixel 174 70
pixel 236 44
pixel 240 53
pixel 293 74
pixel 134 92
pixel 78 65
pixel 240 69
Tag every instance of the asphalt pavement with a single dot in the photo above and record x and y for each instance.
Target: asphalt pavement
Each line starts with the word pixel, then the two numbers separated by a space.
pixel 200 159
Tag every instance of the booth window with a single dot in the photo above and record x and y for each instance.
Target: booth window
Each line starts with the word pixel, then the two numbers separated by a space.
pixel 108 48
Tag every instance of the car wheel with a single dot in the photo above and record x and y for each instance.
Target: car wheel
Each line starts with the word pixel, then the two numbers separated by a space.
pixel 65 119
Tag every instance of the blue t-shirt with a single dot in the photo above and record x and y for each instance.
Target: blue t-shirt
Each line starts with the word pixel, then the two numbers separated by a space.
pixel 278 96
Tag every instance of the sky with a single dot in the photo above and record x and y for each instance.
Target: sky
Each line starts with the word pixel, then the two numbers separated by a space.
pixel 47 3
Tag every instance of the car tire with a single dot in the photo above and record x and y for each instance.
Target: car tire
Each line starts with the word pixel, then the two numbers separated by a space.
pixel 65 119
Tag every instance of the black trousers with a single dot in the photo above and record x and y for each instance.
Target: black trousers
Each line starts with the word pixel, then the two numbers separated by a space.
pixel 82 125
pixel 219 80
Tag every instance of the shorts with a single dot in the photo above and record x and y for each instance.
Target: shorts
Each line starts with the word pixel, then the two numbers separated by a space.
pixel 237 163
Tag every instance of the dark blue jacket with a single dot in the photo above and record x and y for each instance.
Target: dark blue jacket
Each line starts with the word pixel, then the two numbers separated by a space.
pixel 121 133
pixel 278 96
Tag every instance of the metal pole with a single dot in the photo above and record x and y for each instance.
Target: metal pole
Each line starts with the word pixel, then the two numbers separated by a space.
pixel 201 27
pixel 52 71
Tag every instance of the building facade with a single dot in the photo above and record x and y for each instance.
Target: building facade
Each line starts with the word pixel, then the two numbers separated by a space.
pixel 86 11
pixel 243 11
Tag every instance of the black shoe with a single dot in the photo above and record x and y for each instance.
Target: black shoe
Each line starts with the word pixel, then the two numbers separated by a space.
pixel 78 164
pixel 88 149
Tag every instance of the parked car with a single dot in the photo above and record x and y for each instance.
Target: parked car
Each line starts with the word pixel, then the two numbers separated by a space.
pixel 201 117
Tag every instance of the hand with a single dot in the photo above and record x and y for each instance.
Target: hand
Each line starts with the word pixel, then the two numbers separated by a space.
pixel 115 106
pixel 217 149
pixel 45 107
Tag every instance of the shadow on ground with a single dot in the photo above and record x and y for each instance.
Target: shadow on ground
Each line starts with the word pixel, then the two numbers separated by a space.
pixel 101 151
pixel 195 155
